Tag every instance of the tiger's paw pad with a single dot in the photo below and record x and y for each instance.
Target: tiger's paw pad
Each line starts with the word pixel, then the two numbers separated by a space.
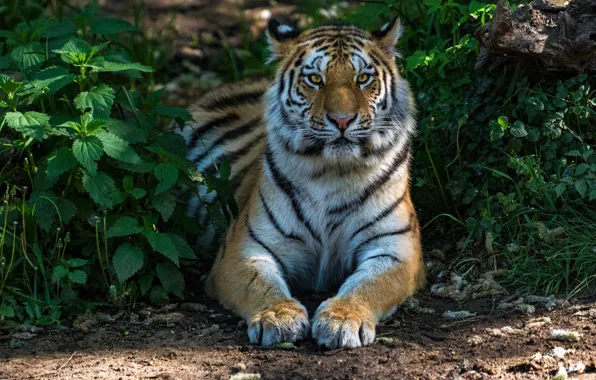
pixel 338 326
pixel 283 322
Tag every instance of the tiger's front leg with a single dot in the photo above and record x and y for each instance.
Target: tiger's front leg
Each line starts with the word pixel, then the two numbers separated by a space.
pixel 383 279
pixel 248 278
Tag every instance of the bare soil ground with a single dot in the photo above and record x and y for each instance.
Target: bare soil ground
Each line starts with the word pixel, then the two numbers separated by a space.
pixel 202 340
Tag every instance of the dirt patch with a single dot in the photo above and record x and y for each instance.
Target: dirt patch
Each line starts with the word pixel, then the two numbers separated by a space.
pixel 205 341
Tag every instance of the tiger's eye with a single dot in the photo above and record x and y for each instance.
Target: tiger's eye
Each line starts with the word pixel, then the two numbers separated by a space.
pixel 362 78
pixel 315 79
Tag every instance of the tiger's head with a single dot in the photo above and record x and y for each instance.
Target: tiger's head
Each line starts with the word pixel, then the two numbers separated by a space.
pixel 338 93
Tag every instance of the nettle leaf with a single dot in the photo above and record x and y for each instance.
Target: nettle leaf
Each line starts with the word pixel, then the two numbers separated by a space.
pixel 54 78
pixel 138 193
pixel 167 174
pixel 75 51
pixel 184 250
pixel 76 263
pixel 145 282
pixel 165 203
pixel 108 26
pixel 66 208
pixel 43 207
pixel 581 169
pixel 592 195
pixel 99 99
pixel 126 131
pixel 118 149
pixel 32 124
pixel 78 277
pixel 4 62
pixel 172 142
pixel 171 278
pixel 127 261
pixel 581 187
pixel 162 244
pixel 28 56
pixel 124 226
pixel 100 65
pixel 146 166
pixel 101 188
pixel 60 162
pixel 173 112
pixel 58 273
pixel 88 150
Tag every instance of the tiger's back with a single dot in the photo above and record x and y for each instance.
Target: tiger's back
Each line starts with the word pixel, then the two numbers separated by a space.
pixel 228 121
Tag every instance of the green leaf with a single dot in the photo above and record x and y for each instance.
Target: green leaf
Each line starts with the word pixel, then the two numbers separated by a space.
pixel 58 273
pixel 108 26
pixel 592 195
pixel 167 174
pixel 100 65
pixel 76 263
pixel 66 208
pixel 518 129
pixel 98 98
pixel 118 149
pixel 101 188
pixel 171 278
pixel 145 282
pixel 172 142
pixel 138 193
pixel 6 311
pixel 581 187
pixel 124 226
pixel 174 112
pixel 126 131
pixel 581 169
pixel 165 203
pixel 184 250
pixel 54 78
pixel 32 124
pixel 162 244
pixel 29 56
pixel 8 85
pixel 503 122
pixel 146 166
pixel 159 296
pixel 4 62
pixel 60 162
pixel 127 261
pixel 88 150
pixel 78 277
pixel 44 208
pixel 61 29
pixel 128 183
pixel 75 51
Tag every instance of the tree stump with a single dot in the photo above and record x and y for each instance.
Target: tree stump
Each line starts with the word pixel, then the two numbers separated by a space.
pixel 559 34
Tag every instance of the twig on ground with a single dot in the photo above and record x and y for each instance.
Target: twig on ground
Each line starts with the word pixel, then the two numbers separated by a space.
pixel 65 364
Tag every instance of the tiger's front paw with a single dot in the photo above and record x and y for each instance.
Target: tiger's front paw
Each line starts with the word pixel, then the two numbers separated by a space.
pixel 286 321
pixel 338 324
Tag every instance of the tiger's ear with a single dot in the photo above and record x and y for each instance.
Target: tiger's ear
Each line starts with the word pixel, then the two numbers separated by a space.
pixel 281 38
pixel 388 35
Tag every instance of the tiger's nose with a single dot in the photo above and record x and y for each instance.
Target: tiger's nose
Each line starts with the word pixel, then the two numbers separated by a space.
pixel 341 121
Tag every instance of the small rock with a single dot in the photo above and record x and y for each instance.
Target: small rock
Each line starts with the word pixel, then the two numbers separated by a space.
pixel 285 346
pixel 475 340
pixel 561 374
pixel 169 307
pixel 538 322
pixel 576 368
pixel 525 308
pixel 558 352
pixel 564 335
pixel 458 314
pixel 385 341
pixel 245 376
pixel 209 330
pixel 23 335
pixel 193 307
pixel 239 367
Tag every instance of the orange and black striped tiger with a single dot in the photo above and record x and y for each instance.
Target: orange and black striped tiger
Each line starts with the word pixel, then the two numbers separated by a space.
pixel 321 160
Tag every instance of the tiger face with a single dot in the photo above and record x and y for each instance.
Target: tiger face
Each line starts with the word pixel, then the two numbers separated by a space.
pixel 337 93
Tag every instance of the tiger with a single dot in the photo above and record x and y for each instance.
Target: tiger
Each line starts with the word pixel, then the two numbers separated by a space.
pixel 320 158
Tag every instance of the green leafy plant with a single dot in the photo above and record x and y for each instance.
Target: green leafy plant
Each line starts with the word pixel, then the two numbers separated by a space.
pixel 92 178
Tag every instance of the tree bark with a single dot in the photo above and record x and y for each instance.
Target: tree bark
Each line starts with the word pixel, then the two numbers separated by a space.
pixel 560 35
